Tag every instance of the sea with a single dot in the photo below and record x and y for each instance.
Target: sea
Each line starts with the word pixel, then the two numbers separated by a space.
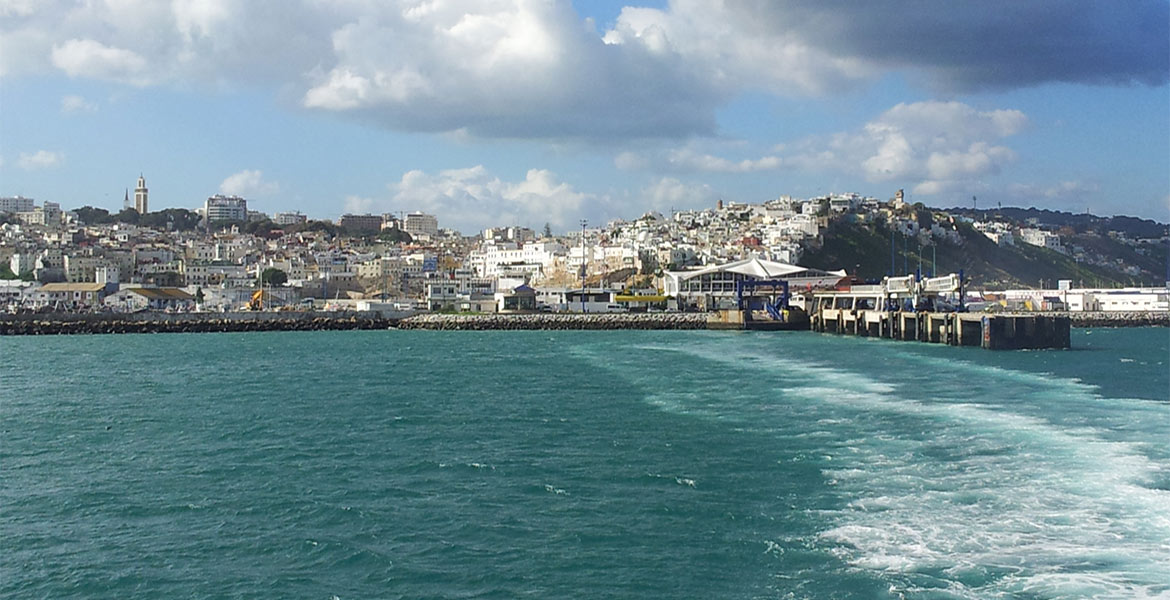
pixel 582 464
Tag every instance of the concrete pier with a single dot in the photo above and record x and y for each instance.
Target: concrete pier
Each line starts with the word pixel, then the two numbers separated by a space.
pixel 1011 331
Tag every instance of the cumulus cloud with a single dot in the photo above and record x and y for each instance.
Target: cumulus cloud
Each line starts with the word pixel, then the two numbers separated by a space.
pixel 931 147
pixel 725 43
pixel 248 184
pixel 76 104
pixel 359 205
pixel 41 159
pixel 527 68
pixel 978 45
pixel 90 58
pixel 667 193
pixel 507 68
pixel 472 198
pixel 146 42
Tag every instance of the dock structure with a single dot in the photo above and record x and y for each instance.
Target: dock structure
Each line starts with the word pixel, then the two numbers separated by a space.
pixel 761 305
pixel 1014 331
pixel 908 310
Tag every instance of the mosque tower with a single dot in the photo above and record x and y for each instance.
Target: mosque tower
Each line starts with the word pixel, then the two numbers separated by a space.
pixel 140 203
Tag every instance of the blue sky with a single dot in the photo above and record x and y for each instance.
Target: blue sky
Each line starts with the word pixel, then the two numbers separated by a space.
pixel 523 112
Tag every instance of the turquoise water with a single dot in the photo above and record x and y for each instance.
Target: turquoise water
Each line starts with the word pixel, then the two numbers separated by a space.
pixel 399 464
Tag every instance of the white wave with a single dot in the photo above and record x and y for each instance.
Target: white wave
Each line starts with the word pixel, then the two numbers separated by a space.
pixel 1017 493
pixel 995 494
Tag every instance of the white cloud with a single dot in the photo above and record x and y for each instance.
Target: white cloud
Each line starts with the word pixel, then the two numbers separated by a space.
pixel 76 104
pixel 667 193
pixel 726 43
pixel 931 147
pixel 90 58
pixel 248 184
pixel 358 205
pixel 688 159
pixel 536 69
pixel 41 159
pixel 17 8
pixel 470 199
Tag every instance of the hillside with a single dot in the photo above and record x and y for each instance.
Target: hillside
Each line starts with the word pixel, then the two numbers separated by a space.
pixel 864 248
pixel 1077 222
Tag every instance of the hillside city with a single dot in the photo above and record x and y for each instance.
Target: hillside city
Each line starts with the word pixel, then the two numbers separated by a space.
pixel 224 256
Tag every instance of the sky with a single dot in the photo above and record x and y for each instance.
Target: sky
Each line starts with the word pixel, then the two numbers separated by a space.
pixel 526 112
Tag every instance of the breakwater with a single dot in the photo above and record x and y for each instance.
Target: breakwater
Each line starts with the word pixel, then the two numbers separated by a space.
pixel 153 322
pixel 1119 319
pixel 556 321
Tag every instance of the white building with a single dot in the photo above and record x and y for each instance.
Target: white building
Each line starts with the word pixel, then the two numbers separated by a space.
pixel 1041 238
pixel 14 292
pixel 225 208
pixel 134 299
pixel 420 223
pixel 289 218
pixel 715 286
pixel 16 204
pixel 1118 300
pixel 496 258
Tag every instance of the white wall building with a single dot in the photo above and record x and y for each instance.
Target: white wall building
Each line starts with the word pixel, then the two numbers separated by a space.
pixel 225 208
pixel 420 223
pixel 1041 238
pixel 16 204
pixel 289 218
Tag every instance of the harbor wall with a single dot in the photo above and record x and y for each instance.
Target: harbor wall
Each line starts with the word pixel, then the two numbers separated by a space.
pixel 556 321
pixel 157 322
pixel 1119 319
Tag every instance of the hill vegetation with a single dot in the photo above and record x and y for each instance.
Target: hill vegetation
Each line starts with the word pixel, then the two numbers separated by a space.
pixel 870 251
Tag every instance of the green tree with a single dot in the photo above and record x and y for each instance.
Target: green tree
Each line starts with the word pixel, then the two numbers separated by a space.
pixel 273 276
pixel 260 228
pixel 93 216
pixel 394 236
pixel 128 215
pixel 6 272
pixel 547 230
pixel 179 219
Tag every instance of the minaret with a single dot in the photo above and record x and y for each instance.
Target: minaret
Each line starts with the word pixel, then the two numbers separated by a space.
pixel 140 203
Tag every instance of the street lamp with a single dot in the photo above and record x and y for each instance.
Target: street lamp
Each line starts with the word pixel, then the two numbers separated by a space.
pixel 583 264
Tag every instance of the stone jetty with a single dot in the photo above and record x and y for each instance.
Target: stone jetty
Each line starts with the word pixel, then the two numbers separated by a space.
pixel 150 322
pixel 1120 319
pixel 551 321
pixel 147 322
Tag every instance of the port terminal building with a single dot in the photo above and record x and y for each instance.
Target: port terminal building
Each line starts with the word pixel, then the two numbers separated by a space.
pixel 714 287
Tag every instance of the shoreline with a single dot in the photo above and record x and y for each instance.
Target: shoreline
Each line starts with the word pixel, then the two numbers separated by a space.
pixel 151 322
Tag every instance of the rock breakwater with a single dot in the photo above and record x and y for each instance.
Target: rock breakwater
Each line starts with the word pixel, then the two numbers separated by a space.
pixel 66 324
pixel 1120 319
pixel 556 321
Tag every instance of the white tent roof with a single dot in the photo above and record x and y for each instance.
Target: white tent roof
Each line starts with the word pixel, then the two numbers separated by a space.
pixel 761 269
